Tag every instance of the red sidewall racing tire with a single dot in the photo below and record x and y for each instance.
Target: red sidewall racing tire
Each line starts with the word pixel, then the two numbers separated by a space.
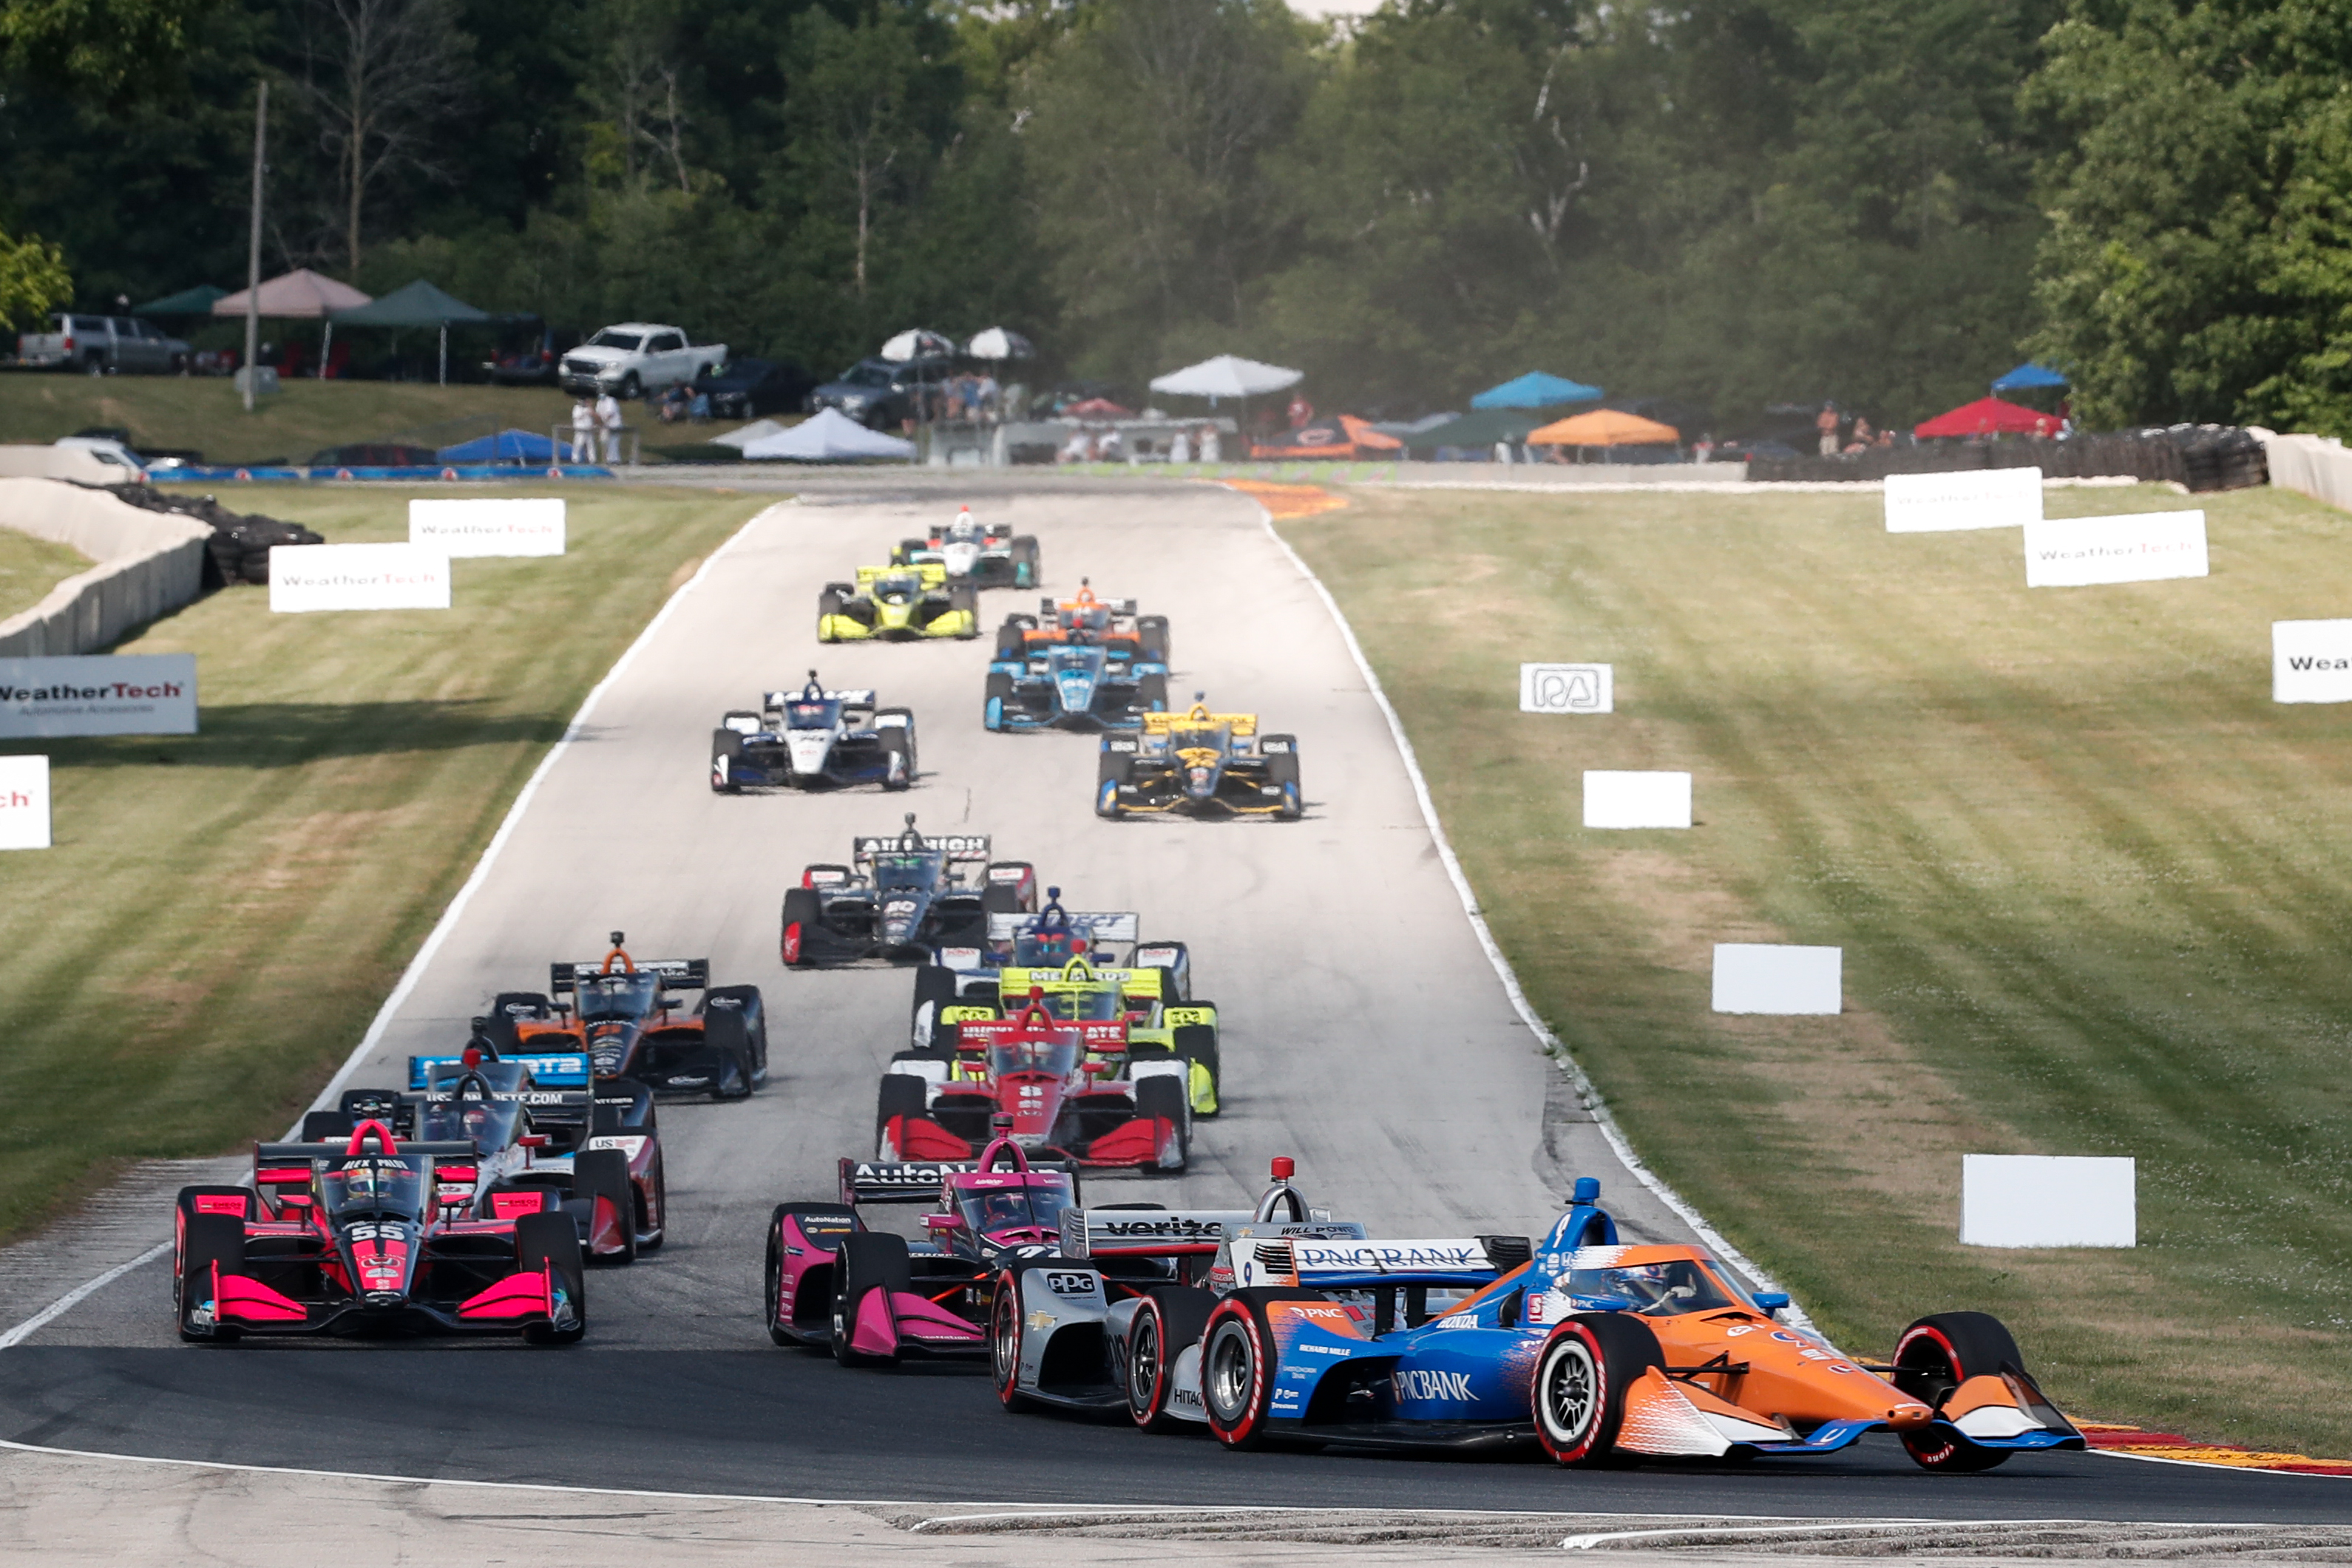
pixel 1582 1375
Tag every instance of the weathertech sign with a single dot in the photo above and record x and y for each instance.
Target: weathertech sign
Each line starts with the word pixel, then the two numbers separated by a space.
pixel 526 526
pixel 359 576
pixel 2311 661
pixel 24 802
pixel 99 693
pixel 2075 552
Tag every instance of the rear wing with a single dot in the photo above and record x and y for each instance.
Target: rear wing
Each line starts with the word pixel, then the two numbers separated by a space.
pixel 1118 930
pixel 1241 724
pixel 292 1162
pixel 677 974
pixel 1358 1264
pixel 913 1181
pixel 773 702
pixel 1013 981
pixel 553 1070
pixel 932 573
pixel 1106 1036
pixel 1179 1232
pixel 966 849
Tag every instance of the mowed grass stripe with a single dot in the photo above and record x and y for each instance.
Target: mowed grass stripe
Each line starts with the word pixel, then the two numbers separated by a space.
pixel 224 912
pixel 2090 882
pixel 30 567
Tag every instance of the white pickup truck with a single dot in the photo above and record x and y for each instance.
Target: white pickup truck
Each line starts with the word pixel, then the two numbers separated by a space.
pixel 633 358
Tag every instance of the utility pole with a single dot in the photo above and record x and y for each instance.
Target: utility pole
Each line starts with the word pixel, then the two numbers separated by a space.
pixel 253 250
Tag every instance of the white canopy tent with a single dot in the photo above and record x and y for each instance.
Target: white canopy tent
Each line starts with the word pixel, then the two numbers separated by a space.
pixel 1227 375
pixel 759 429
pixel 829 435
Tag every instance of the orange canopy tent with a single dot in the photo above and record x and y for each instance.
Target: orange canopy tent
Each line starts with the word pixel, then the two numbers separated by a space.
pixel 1602 427
pixel 1991 416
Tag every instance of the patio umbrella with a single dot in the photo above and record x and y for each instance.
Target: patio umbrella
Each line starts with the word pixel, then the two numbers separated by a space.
pixel 1227 375
pixel 996 344
pixel 916 343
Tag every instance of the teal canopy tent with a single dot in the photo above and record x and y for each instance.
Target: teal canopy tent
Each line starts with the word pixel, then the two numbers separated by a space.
pixel 196 301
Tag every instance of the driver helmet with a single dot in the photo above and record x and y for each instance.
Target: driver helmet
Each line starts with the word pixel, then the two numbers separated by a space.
pixel 965 525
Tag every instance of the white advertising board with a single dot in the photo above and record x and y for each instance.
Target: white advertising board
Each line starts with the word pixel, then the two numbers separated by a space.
pixel 358 577
pixel 99 693
pixel 24 802
pixel 1565 688
pixel 2311 661
pixel 1979 499
pixel 1775 978
pixel 1637 800
pixel 2145 547
pixel 528 526
pixel 2043 1200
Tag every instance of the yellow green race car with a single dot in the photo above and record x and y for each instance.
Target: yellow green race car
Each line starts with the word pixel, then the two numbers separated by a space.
pixel 897 604
pixel 1147 1001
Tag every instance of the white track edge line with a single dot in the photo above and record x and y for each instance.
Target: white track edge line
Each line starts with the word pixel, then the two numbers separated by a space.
pixel 1557 1048
pixel 456 906
pixel 78 1295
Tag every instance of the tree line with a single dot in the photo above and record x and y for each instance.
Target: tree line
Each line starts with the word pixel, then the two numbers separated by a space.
pixel 1731 203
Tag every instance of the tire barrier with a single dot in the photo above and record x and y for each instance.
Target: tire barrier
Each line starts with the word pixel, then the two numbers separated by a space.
pixel 2200 458
pixel 238 551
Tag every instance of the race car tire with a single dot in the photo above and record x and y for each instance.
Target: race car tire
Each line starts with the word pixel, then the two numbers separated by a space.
pixel 869 1260
pixel 779 1332
pixel 727 1035
pixel 1110 773
pixel 1238 1365
pixel 726 751
pixel 998 698
pixel 549 1241
pixel 324 1127
pixel 1582 1376
pixel 935 988
pixel 1005 1327
pixel 187 1208
pixel 499 1029
pixel 605 1174
pixel 803 912
pixel 1282 771
pixel 1932 1359
pixel 901 1094
pixel 638 1116
pixel 1167 1320
pixel 984 994
pixel 206 1240
pixel 1151 630
pixel 828 605
pixel 1173 991
pixel 1011 646
pixel 965 600
pixel 906 550
pixel 1166 1097
pixel 1198 1042
pixel 898 759
pixel 998 900
pixel 1151 694
pixel 1025 561
pixel 656 1233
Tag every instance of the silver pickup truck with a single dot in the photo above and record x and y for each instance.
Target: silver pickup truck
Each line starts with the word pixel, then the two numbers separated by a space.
pixel 103 345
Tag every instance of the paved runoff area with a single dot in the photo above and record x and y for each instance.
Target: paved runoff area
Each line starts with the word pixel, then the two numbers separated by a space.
pixel 1367 1036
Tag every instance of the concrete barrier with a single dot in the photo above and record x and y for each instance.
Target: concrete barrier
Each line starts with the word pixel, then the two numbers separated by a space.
pixel 149 564
pixel 2317 465
pixel 22 461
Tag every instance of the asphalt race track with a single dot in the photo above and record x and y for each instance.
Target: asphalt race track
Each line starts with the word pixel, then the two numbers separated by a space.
pixel 1366 1035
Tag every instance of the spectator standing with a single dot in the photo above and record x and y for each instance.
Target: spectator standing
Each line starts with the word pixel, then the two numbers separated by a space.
pixel 1212 444
pixel 608 415
pixel 985 394
pixel 584 431
pixel 1826 421
pixel 1301 410
pixel 1180 449
pixel 1703 449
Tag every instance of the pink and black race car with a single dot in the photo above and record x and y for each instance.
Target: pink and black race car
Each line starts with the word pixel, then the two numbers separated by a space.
pixel 873 1296
pixel 1072 1090
pixel 371 1235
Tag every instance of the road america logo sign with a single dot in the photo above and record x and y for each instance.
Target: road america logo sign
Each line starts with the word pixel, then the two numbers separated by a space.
pixel 1567 688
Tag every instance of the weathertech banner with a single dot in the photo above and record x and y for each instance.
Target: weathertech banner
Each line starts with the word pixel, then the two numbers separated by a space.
pixel 24 802
pixel 530 526
pixel 99 693
pixel 358 577
pixel 2146 547
pixel 2311 661
pixel 1971 498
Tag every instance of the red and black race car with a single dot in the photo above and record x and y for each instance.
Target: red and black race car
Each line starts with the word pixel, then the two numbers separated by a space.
pixel 1062 1090
pixel 370 1235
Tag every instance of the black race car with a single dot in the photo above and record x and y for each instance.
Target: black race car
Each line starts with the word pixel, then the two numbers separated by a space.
pixel 901 898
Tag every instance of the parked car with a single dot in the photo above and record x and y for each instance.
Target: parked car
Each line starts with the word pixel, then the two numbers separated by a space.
pixel 632 358
pixel 747 389
pixel 878 393
pixel 103 345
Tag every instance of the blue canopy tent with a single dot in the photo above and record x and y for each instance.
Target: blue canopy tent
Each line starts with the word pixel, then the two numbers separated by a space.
pixel 518 446
pixel 2028 376
pixel 1536 390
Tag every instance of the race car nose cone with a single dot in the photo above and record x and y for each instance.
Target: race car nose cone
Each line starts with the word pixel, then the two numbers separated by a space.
pixel 1906 1415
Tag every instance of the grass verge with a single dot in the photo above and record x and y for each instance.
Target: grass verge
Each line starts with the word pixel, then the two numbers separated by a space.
pixel 204 414
pixel 30 567
pixel 2088 878
pixel 224 912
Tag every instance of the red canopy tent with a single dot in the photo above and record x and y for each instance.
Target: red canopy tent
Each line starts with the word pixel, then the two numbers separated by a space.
pixel 1991 416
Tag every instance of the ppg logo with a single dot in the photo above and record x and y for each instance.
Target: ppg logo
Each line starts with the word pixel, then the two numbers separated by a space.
pixel 1565 688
